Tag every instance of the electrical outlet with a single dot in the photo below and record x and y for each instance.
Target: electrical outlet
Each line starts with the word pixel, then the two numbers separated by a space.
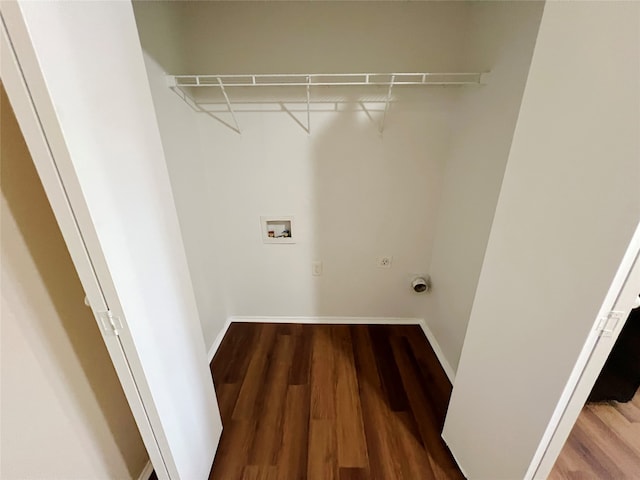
pixel 385 262
pixel 316 268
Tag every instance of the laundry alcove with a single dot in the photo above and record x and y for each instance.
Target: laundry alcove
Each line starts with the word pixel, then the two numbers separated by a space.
pixel 417 182
pixel 423 191
pixel 519 201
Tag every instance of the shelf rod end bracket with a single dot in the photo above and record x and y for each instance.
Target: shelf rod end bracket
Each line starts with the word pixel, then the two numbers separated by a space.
pixel 171 81
pixel 484 78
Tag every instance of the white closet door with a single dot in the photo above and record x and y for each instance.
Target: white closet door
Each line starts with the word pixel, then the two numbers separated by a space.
pixel 78 85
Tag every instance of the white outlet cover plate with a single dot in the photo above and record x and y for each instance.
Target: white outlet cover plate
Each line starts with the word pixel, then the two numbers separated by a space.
pixel 316 268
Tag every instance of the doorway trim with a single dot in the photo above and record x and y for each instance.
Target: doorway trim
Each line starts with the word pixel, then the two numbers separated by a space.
pixel 620 296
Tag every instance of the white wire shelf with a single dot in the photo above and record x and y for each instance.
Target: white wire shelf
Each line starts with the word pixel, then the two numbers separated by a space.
pixel 180 84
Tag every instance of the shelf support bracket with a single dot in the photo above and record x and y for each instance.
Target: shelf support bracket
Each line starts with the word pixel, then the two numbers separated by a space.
pixel 386 104
pixel 309 105
pixel 175 88
pixel 226 97
pixel 191 102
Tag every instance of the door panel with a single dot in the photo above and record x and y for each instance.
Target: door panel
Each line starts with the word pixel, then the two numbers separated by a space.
pixel 80 92
pixel 622 293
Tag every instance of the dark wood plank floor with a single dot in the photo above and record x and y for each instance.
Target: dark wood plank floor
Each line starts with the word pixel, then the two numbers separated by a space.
pixel 604 443
pixel 330 402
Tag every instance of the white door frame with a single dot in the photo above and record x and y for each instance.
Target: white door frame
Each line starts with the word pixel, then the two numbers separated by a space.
pixel 620 297
pixel 47 147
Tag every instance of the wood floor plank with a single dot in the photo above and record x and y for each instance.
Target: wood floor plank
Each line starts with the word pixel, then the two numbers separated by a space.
pixel 415 460
pixel 441 461
pixel 364 358
pixel 630 411
pixel 590 451
pixel 350 473
pixel 301 368
pixel 430 393
pixel 604 443
pixel 572 463
pixel 583 475
pixel 255 472
pixel 292 458
pixel 432 374
pixel 381 445
pixel 286 329
pixel 227 394
pixel 624 430
pixel 226 350
pixel 558 473
pixel 236 344
pixel 322 464
pixel 387 368
pixel 256 370
pixel 233 451
pixel 351 442
pixel 624 457
pixel 329 402
pixel 270 405
pixel 323 374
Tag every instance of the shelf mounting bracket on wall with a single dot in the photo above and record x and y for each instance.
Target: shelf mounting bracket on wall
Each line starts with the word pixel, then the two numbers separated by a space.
pixel 229 106
pixel 386 104
pixel 180 83
pixel 197 107
pixel 309 104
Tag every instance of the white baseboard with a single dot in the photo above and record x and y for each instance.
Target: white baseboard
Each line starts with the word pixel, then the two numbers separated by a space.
pixel 218 340
pixel 446 366
pixel 453 454
pixel 146 471
pixel 331 320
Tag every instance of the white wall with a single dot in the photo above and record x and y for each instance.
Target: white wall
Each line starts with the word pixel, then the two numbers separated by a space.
pixel 504 35
pixel 160 31
pixel 355 196
pixel 63 412
pixel 322 37
pixel 567 209
pixel 190 184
